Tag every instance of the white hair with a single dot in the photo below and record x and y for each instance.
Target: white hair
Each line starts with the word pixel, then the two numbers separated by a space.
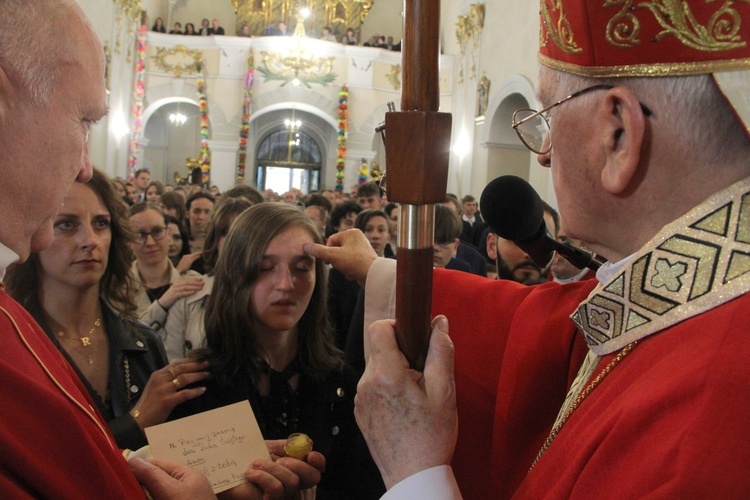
pixel 700 120
pixel 31 56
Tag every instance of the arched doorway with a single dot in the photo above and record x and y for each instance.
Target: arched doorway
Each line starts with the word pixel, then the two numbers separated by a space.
pixel 287 158
pixel 171 136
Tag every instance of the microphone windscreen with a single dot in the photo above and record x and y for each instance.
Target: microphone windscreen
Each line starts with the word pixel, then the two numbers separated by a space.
pixel 512 208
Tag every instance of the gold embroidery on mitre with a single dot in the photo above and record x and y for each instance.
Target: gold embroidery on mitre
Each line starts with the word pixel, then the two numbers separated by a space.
pixel 559 32
pixel 696 263
pixel 647 69
pixel 721 32
pixel 624 28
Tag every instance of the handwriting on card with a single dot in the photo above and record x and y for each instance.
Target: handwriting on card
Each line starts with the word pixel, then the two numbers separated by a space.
pixel 220 443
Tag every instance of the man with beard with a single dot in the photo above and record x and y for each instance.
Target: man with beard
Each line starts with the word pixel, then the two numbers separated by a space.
pixel 513 263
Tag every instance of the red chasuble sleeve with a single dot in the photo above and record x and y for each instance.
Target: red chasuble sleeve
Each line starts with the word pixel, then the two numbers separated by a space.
pixel 517 353
pixel 53 442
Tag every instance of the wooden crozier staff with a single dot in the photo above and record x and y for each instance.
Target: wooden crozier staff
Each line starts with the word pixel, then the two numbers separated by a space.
pixel 417 153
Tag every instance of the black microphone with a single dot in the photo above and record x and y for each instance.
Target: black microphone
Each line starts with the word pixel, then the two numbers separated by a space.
pixel 514 211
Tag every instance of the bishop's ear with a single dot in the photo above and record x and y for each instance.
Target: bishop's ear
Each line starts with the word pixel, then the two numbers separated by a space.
pixel 622 132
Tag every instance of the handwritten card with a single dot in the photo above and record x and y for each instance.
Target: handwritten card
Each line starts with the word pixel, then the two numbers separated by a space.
pixel 220 443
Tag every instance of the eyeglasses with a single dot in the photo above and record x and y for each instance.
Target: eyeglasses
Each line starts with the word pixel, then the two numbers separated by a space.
pixel 533 127
pixel 157 233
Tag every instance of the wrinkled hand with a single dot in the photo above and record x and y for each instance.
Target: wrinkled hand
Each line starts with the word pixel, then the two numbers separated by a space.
pixel 280 477
pixel 170 480
pixel 187 260
pixel 349 251
pixel 162 393
pixel 408 418
pixel 182 288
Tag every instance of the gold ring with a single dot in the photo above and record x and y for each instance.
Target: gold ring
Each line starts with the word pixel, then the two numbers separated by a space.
pixel 171 370
pixel 177 383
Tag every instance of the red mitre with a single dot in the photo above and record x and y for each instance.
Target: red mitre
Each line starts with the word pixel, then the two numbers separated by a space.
pixel 645 38
pixel 606 38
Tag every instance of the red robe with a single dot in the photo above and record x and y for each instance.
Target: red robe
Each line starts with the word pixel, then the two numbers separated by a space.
pixel 669 420
pixel 50 447
pixel 534 354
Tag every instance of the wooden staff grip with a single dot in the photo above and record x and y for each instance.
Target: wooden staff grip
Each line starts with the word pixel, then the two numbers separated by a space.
pixel 417 154
pixel 413 283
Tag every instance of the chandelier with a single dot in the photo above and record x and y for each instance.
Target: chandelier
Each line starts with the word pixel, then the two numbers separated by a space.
pixel 293 125
pixel 177 119
pixel 297 65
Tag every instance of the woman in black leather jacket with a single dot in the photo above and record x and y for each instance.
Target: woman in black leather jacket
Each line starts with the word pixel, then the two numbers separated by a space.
pixel 79 290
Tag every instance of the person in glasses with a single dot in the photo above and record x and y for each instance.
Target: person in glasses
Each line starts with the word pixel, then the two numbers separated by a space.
pixel 158 283
pixel 631 386
pixel 54 443
pixel 80 291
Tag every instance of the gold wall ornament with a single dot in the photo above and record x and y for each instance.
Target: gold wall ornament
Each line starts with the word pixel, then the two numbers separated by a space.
pixel 468 31
pixel 129 15
pixel 483 96
pixel 375 171
pixel 297 65
pixel 365 6
pixel 394 77
pixel 560 32
pixel 260 15
pixel 178 60
pixel 191 165
pixel 721 32
pixel 107 66
pixel 129 9
pixel 365 69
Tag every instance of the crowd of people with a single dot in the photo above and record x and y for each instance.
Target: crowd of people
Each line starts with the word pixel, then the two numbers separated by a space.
pixel 207 28
pixel 628 383
pixel 279 29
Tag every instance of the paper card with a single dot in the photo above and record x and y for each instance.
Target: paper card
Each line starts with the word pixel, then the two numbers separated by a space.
pixel 220 443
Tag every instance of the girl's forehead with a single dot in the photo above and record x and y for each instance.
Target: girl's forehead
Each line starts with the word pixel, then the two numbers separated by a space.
pixel 290 240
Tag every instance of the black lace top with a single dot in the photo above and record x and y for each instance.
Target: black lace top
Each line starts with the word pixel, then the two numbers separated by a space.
pixel 280 410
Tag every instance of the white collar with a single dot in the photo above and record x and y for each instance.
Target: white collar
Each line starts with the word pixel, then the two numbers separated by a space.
pixel 608 270
pixel 576 277
pixel 7 257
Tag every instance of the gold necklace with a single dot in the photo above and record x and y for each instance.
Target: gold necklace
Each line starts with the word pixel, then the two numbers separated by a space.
pixel 585 392
pixel 85 341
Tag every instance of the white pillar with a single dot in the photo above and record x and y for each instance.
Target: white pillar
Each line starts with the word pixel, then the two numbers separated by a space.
pixel 224 163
